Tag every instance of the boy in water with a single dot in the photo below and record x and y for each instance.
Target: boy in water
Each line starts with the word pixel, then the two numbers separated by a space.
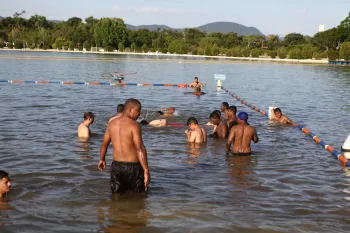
pixel 278 116
pixel 221 129
pixel 5 184
pixel 196 83
pixel 83 129
pixel 196 134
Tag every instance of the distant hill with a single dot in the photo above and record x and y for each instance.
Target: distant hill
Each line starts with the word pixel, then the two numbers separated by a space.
pixel 223 27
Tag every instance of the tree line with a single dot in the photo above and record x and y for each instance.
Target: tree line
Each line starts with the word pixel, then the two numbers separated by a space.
pixel 112 34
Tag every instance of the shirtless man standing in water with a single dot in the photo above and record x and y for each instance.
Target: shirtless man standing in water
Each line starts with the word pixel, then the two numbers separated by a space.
pixel 129 170
pixel 242 134
pixel 120 110
pixel 196 134
pixel 83 129
pixel 221 129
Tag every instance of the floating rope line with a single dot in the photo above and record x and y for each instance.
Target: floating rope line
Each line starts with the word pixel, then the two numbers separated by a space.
pixel 344 161
pixel 94 83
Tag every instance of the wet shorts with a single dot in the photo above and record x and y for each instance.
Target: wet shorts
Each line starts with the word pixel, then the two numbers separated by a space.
pixel 241 153
pixel 127 176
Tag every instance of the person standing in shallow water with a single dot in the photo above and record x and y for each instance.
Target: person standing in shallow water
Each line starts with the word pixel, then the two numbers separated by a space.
pixel 83 129
pixel 221 129
pixel 129 169
pixel 120 110
pixel 242 134
pixel 5 184
pixel 196 134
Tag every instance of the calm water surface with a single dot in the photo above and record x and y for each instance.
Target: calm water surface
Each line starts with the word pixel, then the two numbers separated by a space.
pixel 289 184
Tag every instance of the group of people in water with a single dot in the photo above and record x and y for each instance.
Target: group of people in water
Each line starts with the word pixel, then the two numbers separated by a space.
pixel 129 169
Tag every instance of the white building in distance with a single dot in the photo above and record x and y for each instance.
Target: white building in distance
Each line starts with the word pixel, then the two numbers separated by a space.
pixel 321 28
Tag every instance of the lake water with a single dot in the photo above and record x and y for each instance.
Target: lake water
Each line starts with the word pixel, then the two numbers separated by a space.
pixel 289 184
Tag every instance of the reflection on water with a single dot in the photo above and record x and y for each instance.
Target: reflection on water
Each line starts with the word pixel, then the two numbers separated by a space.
pixel 126 213
pixel 85 148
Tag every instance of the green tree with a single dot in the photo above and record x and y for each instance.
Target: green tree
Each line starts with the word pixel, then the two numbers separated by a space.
pixel 294 54
pixel 245 52
pixel 208 50
pixel 110 32
pixel 282 52
pixel 345 51
pixel 256 52
pixel 177 46
pixel 293 39
pixel 87 45
pixel 60 42
pixel 121 46
pixel 144 48
pixel 215 50
pixel 308 52
pixel 133 47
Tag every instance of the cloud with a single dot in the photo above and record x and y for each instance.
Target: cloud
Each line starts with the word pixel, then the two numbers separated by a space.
pixel 153 10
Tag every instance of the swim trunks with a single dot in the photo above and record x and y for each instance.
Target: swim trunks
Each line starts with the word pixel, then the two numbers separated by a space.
pixel 127 176
pixel 242 153
pixel 160 113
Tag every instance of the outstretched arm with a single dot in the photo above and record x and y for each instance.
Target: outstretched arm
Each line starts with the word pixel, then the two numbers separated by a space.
pixel 103 149
pixel 141 153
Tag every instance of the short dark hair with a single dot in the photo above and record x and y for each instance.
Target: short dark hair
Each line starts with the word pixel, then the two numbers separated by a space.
pixel 218 112
pixel 225 104
pixel 233 109
pixel 131 103
pixel 120 108
pixel 3 174
pixel 277 110
pixel 192 120
pixel 88 115
pixel 214 115
pixel 196 78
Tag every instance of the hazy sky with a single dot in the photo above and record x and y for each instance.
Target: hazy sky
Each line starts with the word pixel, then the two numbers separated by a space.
pixel 269 16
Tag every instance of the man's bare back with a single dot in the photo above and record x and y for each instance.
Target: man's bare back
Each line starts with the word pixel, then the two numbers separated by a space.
pixel 130 163
pixel 198 135
pixel 222 130
pixel 242 134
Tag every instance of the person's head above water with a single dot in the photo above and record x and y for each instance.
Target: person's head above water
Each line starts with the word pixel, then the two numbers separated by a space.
pixel 196 80
pixel 89 118
pixel 192 123
pixel 5 184
pixel 132 109
pixel 242 116
pixel 170 110
pixel 215 118
pixel 224 106
pixel 277 112
pixel 218 112
pixel 120 108
pixel 232 109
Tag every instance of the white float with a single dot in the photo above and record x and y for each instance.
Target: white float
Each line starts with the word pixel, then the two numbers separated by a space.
pixel 346 147
pixel 219 79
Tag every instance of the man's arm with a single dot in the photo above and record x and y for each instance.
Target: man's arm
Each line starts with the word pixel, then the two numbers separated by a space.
pixel 84 132
pixel 103 149
pixel 222 130
pixel 191 137
pixel 141 152
pixel 255 137
pixel 230 139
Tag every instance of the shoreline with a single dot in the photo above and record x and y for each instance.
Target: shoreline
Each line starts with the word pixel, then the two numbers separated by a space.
pixel 251 59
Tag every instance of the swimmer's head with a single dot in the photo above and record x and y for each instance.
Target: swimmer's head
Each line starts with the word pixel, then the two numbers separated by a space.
pixel 218 112
pixel 277 112
pixel 89 117
pixel 224 106
pixel 243 116
pixel 5 184
pixel 232 110
pixel 215 118
pixel 196 79
pixel 192 122
pixel 120 108
pixel 132 108
pixel 171 110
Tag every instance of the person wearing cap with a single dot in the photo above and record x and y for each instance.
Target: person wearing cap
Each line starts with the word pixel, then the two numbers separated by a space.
pixel 242 134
